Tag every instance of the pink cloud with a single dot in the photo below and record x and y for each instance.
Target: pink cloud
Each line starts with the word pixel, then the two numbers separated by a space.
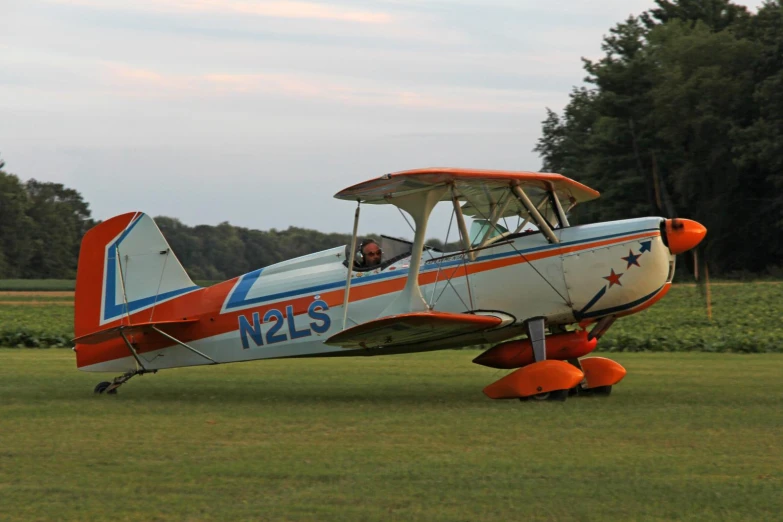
pixel 270 9
pixel 144 82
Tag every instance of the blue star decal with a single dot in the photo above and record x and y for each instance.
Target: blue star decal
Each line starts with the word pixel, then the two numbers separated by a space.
pixel 646 246
pixel 632 259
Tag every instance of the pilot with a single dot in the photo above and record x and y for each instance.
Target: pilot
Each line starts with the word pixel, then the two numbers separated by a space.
pixel 368 254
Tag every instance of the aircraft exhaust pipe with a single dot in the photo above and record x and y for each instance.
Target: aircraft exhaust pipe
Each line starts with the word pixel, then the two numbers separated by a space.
pixel 681 235
pixel 519 353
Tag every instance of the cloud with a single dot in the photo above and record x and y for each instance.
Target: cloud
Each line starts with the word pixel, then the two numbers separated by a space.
pixel 144 82
pixel 137 82
pixel 273 9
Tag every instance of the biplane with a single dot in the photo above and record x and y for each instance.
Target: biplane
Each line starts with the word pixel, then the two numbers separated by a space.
pixel 522 279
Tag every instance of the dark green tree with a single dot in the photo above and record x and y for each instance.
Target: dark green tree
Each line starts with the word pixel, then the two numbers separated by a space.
pixel 684 116
pixel 16 227
pixel 60 218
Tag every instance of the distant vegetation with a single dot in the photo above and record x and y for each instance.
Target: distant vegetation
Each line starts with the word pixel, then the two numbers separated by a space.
pixel 682 116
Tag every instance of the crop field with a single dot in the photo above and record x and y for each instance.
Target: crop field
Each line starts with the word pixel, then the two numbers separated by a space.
pixel 747 317
pixel 48 285
pixel 695 436
pixel 31 285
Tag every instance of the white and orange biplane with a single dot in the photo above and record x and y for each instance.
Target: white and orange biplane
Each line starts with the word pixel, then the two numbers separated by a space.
pixel 522 270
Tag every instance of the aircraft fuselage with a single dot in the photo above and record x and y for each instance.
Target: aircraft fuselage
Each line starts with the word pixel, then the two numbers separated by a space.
pixel 290 308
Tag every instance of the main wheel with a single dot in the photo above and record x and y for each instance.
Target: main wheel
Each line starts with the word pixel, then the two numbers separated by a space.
pixel 555 395
pixel 558 395
pixel 602 391
pixel 101 387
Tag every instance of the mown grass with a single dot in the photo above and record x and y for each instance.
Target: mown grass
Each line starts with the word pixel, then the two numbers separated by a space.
pixel 685 436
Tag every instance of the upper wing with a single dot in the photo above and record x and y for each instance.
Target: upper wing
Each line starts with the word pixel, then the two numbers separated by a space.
pixel 414 328
pixel 475 185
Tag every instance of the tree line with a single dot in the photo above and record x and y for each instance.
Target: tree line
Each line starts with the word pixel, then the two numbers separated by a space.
pixel 41 226
pixel 683 116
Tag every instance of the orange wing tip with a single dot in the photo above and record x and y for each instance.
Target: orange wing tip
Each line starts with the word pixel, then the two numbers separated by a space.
pixel 540 377
pixel 683 234
pixel 519 353
pixel 600 371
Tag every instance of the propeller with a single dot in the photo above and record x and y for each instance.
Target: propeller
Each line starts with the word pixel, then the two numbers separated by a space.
pixel 682 235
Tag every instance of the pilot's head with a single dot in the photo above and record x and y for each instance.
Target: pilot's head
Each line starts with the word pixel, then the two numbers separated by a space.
pixel 371 252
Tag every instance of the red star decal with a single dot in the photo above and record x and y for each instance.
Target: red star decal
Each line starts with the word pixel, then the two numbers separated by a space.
pixel 614 279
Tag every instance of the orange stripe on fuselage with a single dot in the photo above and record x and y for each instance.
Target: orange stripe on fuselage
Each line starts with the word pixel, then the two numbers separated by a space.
pixel 211 299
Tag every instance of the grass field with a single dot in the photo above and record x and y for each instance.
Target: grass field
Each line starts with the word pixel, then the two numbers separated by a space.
pixel 685 436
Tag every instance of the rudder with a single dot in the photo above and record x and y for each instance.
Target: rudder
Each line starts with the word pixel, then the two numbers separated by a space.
pixel 125 266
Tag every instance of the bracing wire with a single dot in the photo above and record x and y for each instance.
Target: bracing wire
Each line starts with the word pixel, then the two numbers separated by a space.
pixel 478 210
pixel 160 282
pixel 440 264
pixel 406 220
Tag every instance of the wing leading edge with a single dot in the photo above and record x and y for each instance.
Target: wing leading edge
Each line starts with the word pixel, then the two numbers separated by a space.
pixel 398 184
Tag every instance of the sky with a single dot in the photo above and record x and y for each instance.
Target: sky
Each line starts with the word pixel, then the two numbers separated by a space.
pixel 258 112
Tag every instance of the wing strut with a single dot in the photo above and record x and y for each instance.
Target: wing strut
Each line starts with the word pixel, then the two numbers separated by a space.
pixel 184 345
pixel 560 212
pixel 351 253
pixel 542 223
pixel 133 351
pixel 463 229
pixel 494 216
pixel 419 205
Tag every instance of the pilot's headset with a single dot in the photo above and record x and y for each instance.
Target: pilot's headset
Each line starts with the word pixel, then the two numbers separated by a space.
pixel 359 256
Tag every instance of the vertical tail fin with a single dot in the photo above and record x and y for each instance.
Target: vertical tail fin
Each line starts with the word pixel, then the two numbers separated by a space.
pixel 125 266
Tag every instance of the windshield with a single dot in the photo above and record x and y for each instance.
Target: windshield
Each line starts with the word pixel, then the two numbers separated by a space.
pixel 500 213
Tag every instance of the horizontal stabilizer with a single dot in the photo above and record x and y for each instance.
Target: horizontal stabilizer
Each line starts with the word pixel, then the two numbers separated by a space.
pixel 413 328
pixel 129 329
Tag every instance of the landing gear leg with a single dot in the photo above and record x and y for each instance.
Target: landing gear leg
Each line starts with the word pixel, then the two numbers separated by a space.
pixel 578 389
pixel 110 388
pixel 540 380
pixel 537 335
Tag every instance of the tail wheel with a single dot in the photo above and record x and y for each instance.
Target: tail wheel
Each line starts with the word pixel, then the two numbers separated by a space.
pixel 101 387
